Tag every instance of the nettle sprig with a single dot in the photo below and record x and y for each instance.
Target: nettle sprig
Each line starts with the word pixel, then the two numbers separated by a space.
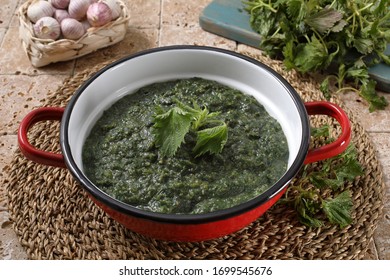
pixel 306 195
pixel 170 128
pixel 342 38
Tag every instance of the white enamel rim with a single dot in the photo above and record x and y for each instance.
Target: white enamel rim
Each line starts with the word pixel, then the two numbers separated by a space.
pixel 167 63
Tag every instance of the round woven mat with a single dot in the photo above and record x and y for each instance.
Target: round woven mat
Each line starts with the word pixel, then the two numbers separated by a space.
pixel 55 219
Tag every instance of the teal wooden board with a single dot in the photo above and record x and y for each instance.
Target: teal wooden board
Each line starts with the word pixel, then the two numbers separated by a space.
pixel 227 18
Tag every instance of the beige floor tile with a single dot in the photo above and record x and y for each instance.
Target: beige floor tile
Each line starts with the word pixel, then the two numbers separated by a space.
pixel 15 18
pixel 144 14
pixel 182 13
pixel 174 35
pixel 2 34
pixel 14 59
pixel 19 94
pixel 10 247
pixel 381 142
pixel 134 41
pixel 7 11
pixel 372 122
pixel 8 145
pixel 382 234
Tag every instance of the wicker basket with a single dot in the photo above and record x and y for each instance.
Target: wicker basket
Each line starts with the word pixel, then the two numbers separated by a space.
pixel 42 52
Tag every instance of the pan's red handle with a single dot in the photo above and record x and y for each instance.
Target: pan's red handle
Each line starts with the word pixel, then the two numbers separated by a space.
pixel 341 143
pixel 31 152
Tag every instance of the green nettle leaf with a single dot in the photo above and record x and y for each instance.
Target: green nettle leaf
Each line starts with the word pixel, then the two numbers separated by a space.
pixel 333 174
pixel 338 209
pixel 211 140
pixel 311 56
pixel 324 20
pixel 339 26
pixel 309 220
pixel 296 9
pixel 322 131
pixel 385 58
pixel 307 209
pixel 357 73
pixel 367 91
pixel 364 46
pixel 380 7
pixel 325 88
pixel 265 24
pixel 170 129
pixel 288 53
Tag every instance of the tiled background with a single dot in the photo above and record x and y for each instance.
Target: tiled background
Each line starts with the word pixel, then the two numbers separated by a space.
pixel 153 23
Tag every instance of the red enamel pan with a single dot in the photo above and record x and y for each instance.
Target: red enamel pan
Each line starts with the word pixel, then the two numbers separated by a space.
pixel 167 63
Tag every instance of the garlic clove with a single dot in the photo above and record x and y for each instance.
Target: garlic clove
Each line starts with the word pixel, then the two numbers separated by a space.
pixel 47 28
pixel 39 9
pixel 78 8
pixel 99 14
pixel 59 4
pixel 116 9
pixel 72 29
pixel 86 25
pixel 60 15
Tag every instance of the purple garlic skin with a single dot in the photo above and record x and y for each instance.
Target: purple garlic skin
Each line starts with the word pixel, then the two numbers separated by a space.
pixel 60 15
pixel 99 14
pixel 47 28
pixel 72 29
pixel 78 8
pixel 39 9
pixel 59 4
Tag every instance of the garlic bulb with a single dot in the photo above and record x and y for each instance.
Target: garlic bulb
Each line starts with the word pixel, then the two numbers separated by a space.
pixel 60 15
pixel 86 24
pixel 78 8
pixel 116 9
pixel 47 28
pixel 39 9
pixel 99 14
pixel 72 29
pixel 59 4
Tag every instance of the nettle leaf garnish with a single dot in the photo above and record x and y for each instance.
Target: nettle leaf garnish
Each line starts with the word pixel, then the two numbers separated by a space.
pixel 170 128
pixel 306 195
pixel 211 140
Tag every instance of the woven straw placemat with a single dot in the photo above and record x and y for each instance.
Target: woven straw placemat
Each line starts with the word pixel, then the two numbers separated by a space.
pixel 55 219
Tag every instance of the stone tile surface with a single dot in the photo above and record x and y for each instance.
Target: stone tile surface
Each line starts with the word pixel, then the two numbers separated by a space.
pixel 9 244
pixel 2 33
pixel 176 35
pixel 144 14
pixel 20 94
pixel 182 13
pixel 152 23
pixel 6 12
pixel 377 121
pixel 134 41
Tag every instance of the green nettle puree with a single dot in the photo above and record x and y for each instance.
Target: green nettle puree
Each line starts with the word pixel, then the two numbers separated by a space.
pixel 120 157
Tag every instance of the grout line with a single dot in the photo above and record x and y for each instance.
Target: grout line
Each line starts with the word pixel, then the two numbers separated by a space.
pixel 160 23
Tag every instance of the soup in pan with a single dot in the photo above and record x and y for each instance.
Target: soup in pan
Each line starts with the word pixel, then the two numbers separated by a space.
pixel 120 155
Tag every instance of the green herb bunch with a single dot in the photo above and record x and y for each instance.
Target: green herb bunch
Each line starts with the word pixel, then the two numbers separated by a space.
pixel 171 127
pixel 319 193
pixel 342 37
